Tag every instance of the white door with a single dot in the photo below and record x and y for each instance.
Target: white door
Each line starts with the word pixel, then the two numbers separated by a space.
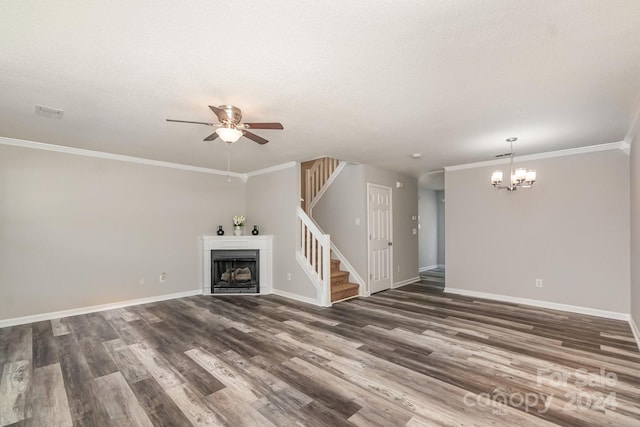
pixel 380 249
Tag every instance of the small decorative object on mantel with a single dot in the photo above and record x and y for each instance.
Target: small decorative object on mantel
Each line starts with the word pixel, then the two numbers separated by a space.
pixel 220 231
pixel 238 225
pixel 255 231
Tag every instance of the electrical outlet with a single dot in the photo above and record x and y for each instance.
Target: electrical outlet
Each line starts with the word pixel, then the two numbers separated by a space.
pixel 357 221
pixel 163 277
pixel 141 281
pixel 538 283
pixel 398 269
pixel 289 276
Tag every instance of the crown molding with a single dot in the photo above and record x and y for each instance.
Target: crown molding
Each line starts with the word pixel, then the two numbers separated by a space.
pixel 110 156
pixel 623 146
pixel 269 170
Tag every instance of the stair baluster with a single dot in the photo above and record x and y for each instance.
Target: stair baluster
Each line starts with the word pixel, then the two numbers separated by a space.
pixel 313 254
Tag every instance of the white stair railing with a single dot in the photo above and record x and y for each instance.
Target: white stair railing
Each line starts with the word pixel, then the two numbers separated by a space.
pixel 317 177
pixel 313 252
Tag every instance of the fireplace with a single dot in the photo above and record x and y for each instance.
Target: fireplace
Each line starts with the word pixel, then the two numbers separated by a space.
pixel 260 246
pixel 235 271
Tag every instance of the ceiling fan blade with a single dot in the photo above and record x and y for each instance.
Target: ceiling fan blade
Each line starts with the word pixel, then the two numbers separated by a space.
pixel 220 113
pixel 254 137
pixel 263 125
pixel 211 137
pixel 187 121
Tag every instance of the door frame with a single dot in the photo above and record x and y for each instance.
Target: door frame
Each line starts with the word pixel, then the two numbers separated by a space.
pixel 368 281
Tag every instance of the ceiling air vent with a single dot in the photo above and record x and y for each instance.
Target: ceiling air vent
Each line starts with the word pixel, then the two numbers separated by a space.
pixel 52 113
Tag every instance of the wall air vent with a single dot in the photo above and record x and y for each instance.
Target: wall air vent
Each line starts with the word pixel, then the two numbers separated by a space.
pixel 52 113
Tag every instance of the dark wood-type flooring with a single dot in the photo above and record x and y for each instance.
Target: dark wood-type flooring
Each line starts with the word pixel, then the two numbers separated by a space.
pixel 410 356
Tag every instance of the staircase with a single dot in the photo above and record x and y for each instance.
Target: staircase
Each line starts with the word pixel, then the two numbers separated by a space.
pixel 341 288
pixel 317 175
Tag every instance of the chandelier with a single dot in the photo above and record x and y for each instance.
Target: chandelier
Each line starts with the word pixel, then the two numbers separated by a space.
pixel 520 178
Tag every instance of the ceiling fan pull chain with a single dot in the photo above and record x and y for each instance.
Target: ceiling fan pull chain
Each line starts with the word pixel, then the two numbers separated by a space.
pixel 228 164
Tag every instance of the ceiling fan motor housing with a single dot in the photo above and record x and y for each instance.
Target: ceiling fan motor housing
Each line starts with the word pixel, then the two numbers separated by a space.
pixel 233 113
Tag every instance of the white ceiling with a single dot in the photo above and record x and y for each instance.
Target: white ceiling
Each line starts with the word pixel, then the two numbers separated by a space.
pixel 364 81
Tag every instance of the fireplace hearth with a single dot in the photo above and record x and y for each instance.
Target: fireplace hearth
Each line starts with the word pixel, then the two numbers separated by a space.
pixel 235 271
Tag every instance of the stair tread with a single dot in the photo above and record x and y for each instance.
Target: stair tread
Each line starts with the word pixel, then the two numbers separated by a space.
pixel 344 291
pixel 339 273
pixel 343 286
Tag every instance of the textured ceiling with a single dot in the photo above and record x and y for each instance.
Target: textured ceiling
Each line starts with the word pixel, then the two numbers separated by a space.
pixel 364 81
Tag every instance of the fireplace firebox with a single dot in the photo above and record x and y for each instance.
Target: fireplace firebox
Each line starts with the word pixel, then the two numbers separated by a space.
pixel 235 271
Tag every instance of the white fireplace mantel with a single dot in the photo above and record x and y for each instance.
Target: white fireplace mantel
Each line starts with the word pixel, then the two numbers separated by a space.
pixel 262 243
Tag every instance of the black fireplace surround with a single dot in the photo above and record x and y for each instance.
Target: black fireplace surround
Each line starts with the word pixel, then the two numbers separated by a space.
pixel 235 271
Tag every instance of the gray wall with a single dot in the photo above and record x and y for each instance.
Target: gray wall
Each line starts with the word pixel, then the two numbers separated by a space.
pixel 635 225
pixel 345 201
pixel 336 213
pixel 428 234
pixel 571 230
pixel 78 231
pixel 272 199
pixel 442 255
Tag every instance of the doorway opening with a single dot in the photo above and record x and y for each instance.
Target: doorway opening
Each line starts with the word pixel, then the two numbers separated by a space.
pixel 431 226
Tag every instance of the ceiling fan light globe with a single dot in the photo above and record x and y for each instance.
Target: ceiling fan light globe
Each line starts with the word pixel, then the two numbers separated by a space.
pixel 229 135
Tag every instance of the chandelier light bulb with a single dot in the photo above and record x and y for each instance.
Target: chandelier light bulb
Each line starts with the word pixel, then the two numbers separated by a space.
pixel 496 178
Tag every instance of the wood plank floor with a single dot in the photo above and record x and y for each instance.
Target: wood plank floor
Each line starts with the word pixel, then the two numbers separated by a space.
pixel 410 356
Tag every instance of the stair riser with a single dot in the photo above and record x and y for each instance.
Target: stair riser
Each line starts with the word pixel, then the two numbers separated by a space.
pixel 344 294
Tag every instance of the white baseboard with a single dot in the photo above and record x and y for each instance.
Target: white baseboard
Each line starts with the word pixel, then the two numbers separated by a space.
pixel 94 308
pixel 543 304
pixel 635 330
pixel 406 282
pixel 428 267
pixel 296 297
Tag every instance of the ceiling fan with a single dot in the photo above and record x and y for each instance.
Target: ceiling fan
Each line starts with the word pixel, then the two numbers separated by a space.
pixel 230 129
